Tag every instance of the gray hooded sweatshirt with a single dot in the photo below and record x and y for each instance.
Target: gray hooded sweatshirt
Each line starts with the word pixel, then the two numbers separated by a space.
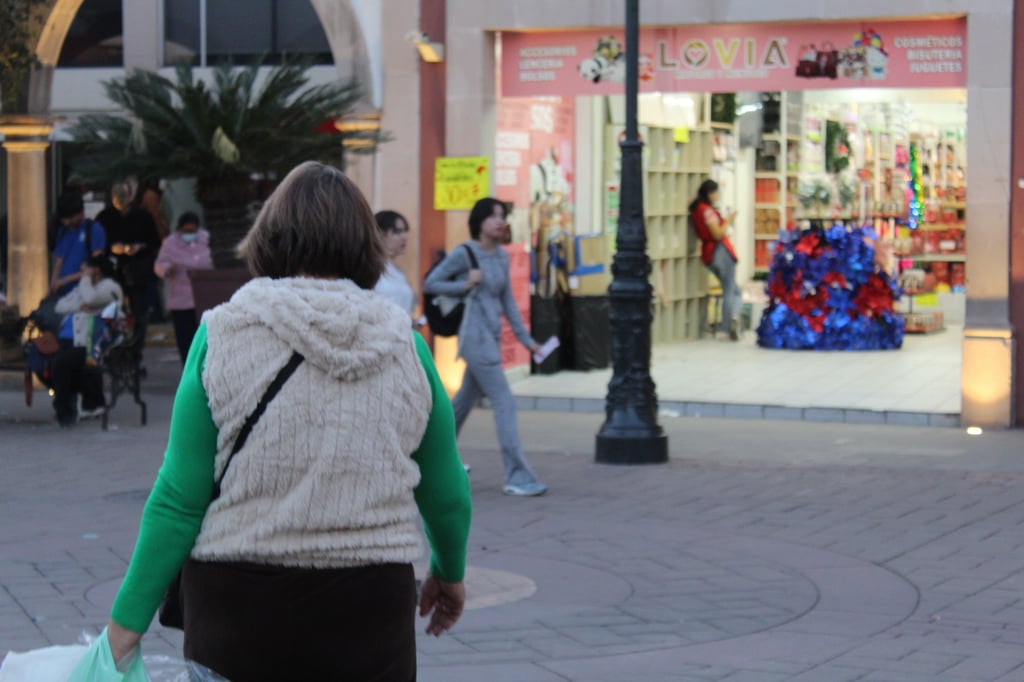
pixel 480 333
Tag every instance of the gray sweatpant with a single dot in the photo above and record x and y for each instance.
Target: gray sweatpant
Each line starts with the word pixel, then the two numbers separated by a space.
pixel 488 378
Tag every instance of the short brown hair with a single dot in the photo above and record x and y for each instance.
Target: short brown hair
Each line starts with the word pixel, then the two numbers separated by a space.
pixel 316 223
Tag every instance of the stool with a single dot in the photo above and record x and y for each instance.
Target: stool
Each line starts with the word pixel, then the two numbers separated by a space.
pixel 713 317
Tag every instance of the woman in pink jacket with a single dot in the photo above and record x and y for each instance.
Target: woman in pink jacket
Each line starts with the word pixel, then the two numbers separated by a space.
pixel 187 248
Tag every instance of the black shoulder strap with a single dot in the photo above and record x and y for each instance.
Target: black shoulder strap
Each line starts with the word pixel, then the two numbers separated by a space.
pixel 472 256
pixel 293 362
pixel 88 238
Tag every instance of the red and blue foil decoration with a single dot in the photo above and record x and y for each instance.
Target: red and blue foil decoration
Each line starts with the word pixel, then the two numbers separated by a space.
pixel 826 293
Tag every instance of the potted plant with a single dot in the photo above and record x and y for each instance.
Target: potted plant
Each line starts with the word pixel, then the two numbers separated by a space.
pixel 242 131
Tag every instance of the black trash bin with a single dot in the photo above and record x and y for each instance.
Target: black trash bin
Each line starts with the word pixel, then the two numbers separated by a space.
pixel 545 322
pixel 591 333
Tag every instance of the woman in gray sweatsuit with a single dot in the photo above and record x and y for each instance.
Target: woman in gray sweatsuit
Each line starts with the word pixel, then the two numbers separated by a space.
pixel 488 295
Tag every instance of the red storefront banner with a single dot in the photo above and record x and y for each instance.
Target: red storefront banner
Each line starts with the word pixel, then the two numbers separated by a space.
pixel 513 354
pixel 533 152
pixel 927 53
pixel 533 169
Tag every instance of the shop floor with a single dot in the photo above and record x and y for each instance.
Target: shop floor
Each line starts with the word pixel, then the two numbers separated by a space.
pixel 715 378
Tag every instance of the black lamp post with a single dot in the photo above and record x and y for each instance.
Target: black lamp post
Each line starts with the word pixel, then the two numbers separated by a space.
pixel 630 433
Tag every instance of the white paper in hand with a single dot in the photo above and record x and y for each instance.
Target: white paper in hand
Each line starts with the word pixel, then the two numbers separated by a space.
pixel 546 349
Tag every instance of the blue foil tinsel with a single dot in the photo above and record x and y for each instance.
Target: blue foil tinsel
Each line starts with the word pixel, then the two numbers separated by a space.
pixel 840 251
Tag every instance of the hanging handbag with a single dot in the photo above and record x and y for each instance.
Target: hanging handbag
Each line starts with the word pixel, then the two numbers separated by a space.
pixel 172 610
pixel 807 68
pixel 828 61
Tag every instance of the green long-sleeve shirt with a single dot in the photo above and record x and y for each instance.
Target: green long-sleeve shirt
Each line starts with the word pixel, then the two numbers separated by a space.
pixel 174 511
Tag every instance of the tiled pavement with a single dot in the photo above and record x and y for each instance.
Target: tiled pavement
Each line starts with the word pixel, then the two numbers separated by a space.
pixel 763 551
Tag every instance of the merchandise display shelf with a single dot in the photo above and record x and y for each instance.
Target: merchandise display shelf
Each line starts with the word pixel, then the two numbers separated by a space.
pixel 938 257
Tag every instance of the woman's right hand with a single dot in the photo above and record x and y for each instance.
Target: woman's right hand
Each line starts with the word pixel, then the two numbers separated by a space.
pixel 476 276
pixel 444 600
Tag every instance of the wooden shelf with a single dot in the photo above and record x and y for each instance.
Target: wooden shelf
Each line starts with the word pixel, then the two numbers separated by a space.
pixel 937 257
pixel 672 173
pixel 939 227
pixel 766 237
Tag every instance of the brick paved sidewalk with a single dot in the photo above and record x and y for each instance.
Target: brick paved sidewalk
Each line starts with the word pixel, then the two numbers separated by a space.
pixel 763 551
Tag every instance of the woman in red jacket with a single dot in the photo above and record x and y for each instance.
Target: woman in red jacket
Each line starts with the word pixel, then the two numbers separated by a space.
pixel 718 254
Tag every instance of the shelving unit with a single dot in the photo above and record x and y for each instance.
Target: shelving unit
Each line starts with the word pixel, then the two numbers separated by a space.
pixel 777 172
pixel 673 171
pixel 938 246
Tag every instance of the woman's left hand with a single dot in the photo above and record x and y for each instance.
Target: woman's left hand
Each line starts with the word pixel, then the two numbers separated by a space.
pixel 122 640
pixel 443 602
pixel 534 348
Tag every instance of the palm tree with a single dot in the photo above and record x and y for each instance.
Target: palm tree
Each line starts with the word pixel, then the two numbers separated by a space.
pixel 230 135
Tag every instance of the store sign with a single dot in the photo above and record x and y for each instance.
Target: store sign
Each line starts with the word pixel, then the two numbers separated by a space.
pixel 460 181
pixel 928 53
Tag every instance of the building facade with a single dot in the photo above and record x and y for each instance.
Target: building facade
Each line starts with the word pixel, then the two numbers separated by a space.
pixel 988 366
pixel 449 109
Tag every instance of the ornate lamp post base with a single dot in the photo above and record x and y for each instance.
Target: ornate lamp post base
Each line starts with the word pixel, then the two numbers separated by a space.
pixel 623 448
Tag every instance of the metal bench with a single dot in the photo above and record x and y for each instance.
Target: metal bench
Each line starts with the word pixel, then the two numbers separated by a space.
pixel 120 365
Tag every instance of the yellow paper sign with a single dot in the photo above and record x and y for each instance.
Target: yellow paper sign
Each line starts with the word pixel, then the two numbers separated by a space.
pixel 681 134
pixel 460 181
pixel 926 300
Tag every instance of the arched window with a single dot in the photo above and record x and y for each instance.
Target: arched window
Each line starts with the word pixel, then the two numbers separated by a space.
pixel 264 29
pixel 95 36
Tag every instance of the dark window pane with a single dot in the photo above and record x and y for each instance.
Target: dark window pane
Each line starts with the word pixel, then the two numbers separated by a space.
pixel 299 31
pixel 238 36
pixel 95 36
pixel 181 31
pixel 266 30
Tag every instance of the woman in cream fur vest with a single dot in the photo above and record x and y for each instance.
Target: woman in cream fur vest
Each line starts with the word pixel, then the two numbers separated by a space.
pixel 300 568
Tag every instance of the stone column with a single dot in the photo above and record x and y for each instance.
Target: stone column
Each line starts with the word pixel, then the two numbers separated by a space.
pixel 988 343
pixel 26 140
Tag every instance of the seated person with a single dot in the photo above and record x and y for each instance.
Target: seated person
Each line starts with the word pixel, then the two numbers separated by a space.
pixel 96 289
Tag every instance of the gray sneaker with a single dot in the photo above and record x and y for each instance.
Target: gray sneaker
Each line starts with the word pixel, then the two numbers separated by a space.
pixel 525 489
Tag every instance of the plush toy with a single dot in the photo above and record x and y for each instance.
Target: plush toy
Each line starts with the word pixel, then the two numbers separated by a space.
pixel 591 69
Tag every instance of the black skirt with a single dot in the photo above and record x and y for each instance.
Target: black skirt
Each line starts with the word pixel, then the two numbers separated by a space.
pixel 250 622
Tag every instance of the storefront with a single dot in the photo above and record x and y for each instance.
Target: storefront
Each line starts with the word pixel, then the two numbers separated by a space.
pixel 806 124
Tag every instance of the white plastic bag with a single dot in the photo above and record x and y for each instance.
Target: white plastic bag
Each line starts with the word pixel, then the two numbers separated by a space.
pixel 49 664
pixel 56 663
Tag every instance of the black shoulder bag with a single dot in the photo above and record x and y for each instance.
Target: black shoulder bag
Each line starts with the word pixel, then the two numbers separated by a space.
pixel 172 610
pixel 442 324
